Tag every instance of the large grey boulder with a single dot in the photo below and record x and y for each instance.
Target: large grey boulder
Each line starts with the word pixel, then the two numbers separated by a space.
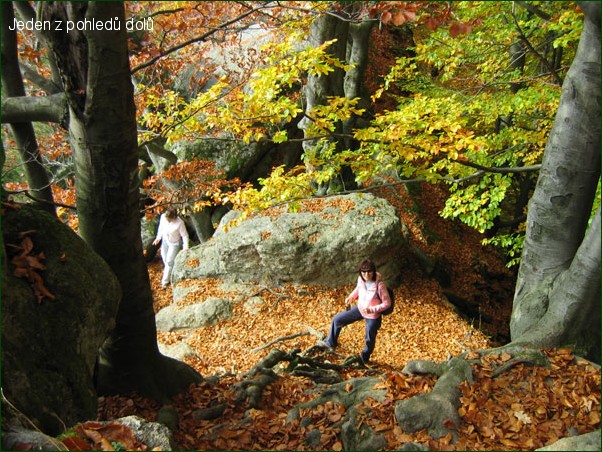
pixel 49 345
pixel 324 246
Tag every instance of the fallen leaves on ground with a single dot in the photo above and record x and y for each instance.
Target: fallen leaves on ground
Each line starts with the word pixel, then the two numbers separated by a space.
pixel 422 326
pixel 523 408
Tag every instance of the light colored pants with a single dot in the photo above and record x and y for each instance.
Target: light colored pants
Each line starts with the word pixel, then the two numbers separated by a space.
pixel 168 254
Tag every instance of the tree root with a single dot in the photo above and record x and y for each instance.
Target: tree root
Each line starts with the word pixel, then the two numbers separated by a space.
pixel 519 354
pixel 258 378
pixel 299 364
pixel 437 411
pixel 318 334
pixel 262 288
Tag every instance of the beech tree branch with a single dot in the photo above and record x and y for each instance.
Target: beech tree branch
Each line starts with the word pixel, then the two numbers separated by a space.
pixel 31 74
pixel 539 56
pixel 21 109
pixel 499 169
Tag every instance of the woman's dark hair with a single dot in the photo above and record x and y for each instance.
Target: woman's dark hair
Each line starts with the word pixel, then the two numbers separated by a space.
pixel 367 266
pixel 171 214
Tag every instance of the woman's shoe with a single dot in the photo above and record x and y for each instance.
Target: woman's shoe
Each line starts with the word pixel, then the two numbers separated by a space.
pixel 324 344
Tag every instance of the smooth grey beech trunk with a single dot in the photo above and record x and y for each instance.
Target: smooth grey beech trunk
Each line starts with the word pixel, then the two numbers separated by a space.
pixel 351 47
pixel 102 127
pixel 557 297
pixel 22 130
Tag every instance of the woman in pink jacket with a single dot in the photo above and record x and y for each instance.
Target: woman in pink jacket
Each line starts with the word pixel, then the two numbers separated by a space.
pixel 372 299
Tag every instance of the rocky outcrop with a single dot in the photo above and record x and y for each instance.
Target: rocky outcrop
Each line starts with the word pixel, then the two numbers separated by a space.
pixel 323 244
pixel 50 340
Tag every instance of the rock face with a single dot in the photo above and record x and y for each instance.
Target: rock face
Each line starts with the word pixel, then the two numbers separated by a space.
pixel 323 243
pixel 49 348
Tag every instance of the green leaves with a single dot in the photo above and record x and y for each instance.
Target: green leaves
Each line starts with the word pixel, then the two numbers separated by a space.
pixel 466 106
pixel 478 204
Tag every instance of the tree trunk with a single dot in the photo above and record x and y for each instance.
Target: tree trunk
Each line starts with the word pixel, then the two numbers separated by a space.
pixel 357 56
pixel 25 138
pixel 557 298
pixel 351 46
pixel 102 128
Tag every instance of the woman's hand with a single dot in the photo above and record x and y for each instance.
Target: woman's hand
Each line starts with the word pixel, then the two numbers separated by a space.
pixel 156 241
pixel 347 303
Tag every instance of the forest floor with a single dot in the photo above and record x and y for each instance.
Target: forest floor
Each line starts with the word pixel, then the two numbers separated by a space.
pixel 523 408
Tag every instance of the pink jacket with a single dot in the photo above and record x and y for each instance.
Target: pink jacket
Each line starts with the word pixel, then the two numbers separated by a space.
pixel 367 297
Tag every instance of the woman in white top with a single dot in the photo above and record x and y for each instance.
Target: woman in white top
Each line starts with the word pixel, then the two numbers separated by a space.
pixel 171 229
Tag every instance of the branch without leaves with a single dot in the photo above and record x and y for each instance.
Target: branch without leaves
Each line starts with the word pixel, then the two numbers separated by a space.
pixel 311 331
pixel 200 38
pixel 51 108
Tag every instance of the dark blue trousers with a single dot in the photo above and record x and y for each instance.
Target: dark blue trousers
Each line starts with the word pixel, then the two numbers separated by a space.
pixel 345 318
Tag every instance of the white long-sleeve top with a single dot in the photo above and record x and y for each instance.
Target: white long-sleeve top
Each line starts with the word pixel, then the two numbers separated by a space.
pixel 171 231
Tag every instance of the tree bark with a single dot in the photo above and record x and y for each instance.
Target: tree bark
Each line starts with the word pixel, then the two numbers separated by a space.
pixel 336 83
pixel 557 252
pixel 357 56
pixel 102 126
pixel 25 138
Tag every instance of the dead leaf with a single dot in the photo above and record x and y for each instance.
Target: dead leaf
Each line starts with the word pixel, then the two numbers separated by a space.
pixel 505 357
pixel 76 443
pixel 521 416
pixel 399 19
pixel 27 265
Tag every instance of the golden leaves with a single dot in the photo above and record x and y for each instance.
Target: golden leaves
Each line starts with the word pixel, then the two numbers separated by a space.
pixel 528 406
pixel 196 182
